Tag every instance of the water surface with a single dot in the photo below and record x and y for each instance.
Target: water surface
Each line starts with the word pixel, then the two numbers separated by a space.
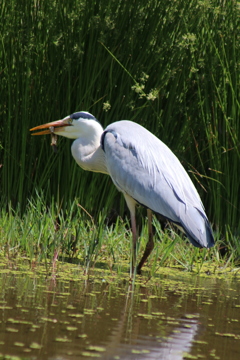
pixel 174 315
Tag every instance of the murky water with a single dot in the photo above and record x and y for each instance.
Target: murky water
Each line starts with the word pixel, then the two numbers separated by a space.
pixel 174 315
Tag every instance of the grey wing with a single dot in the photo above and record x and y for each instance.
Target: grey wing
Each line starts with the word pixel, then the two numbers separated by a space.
pixel 143 167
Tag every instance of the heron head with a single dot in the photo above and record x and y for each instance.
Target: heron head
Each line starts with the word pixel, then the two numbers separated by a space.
pixel 72 126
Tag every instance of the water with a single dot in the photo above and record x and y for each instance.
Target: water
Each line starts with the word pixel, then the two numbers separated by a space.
pixel 175 315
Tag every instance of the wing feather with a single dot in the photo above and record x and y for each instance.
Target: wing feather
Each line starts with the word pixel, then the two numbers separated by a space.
pixel 146 169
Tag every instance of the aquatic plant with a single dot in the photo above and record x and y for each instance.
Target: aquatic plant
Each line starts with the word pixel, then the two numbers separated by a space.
pixel 170 66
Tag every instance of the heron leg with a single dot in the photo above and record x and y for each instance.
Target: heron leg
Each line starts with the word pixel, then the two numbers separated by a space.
pixel 131 203
pixel 150 243
pixel 134 243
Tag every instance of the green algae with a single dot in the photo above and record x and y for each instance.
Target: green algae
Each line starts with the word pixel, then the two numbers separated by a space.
pixel 15 321
pixel 62 339
pixel 35 345
pixel 13 330
pixel 18 344
pixel 90 354
pixel 235 336
pixel 96 348
pixel 140 351
pixel 71 328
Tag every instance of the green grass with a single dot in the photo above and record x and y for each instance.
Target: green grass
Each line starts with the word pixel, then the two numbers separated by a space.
pixel 79 238
pixel 172 66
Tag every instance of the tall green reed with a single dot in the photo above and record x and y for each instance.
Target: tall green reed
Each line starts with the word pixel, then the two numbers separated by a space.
pixel 171 66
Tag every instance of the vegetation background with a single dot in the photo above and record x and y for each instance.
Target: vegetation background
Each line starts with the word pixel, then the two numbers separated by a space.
pixel 172 66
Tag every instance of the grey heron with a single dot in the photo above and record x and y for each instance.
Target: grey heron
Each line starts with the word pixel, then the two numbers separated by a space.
pixel 143 168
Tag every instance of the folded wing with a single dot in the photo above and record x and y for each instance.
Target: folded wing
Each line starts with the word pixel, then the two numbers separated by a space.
pixel 146 169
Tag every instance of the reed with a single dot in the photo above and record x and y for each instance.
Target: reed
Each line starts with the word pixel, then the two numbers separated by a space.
pixel 172 66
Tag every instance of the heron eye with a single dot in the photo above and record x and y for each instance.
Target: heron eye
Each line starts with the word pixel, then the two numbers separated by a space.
pixel 70 121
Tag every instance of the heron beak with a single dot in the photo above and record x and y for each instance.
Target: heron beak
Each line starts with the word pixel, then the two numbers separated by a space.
pixel 51 127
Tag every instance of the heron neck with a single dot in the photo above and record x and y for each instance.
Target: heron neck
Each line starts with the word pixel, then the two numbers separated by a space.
pixel 89 156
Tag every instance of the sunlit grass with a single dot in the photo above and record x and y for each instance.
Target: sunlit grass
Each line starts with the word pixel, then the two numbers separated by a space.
pixel 89 243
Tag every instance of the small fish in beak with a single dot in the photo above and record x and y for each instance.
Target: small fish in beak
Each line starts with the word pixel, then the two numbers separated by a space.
pixel 52 128
pixel 53 139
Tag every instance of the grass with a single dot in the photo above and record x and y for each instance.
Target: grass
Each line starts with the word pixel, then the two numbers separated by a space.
pixel 77 238
pixel 171 66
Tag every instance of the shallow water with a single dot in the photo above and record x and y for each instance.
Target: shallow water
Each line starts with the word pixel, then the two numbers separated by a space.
pixel 175 315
